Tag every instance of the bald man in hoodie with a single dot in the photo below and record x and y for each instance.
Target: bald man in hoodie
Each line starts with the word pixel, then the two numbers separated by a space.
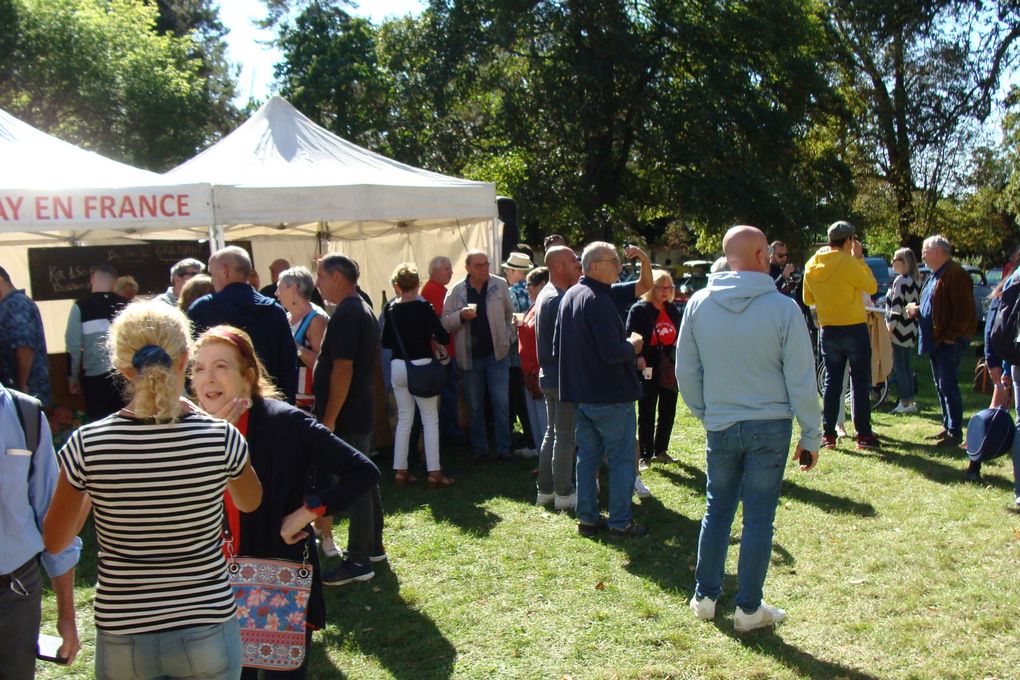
pixel 745 368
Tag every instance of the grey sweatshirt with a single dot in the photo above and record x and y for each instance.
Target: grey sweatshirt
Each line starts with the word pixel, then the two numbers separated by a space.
pixel 744 354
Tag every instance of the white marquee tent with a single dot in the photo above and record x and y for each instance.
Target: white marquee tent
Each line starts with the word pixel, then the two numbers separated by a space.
pixel 292 188
pixel 53 193
pixel 280 176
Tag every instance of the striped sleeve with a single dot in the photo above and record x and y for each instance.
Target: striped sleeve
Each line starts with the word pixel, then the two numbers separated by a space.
pixel 71 461
pixel 236 452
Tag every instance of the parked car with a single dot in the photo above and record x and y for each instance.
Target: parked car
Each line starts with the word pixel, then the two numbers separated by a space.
pixel 981 288
pixel 993 276
pixel 692 281
pixel 880 268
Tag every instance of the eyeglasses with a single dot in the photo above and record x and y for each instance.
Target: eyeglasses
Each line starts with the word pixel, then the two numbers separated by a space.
pixel 897 259
pixel 614 260
pixel 782 256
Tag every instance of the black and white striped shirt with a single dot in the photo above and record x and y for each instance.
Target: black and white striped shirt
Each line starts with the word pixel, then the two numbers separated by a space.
pixel 157 498
pixel 902 292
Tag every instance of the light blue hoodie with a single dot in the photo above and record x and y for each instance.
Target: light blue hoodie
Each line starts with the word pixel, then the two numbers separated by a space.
pixel 744 354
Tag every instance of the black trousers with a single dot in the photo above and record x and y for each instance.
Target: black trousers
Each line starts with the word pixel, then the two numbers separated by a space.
pixel 653 437
pixel 519 408
pixel 20 614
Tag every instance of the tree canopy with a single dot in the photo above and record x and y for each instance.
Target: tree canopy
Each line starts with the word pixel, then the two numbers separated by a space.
pixel 98 73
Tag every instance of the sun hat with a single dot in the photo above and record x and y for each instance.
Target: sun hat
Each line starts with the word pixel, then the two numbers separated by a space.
pixel 518 261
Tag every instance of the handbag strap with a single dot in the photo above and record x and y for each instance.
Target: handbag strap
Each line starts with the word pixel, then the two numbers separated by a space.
pixel 396 331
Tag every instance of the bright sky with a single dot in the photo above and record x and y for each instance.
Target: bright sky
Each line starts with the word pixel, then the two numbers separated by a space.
pixel 257 60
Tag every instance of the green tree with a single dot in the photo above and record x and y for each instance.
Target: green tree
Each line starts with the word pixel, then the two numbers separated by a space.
pixel 917 74
pixel 96 73
pixel 330 72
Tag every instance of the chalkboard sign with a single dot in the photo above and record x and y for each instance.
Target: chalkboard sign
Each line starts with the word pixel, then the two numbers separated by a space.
pixel 63 273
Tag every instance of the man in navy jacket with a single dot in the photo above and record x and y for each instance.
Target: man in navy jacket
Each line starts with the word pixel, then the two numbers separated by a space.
pixel 596 367
pixel 238 304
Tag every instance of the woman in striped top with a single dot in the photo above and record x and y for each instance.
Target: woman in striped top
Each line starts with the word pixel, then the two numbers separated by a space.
pixel 903 329
pixel 155 473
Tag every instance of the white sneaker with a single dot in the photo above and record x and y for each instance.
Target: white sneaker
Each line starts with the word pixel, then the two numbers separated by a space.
pixel 1016 503
pixel 841 431
pixel 328 547
pixel 545 498
pixel 909 409
pixel 566 502
pixel 763 617
pixel 640 490
pixel 704 608
pixel 526 453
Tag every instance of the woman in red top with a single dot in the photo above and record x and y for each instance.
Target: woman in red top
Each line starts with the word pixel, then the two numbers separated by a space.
pixel 657 320
pixel 527 347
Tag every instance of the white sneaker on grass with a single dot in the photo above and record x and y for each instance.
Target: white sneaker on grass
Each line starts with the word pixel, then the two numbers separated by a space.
pixel 640 490
pixel 910 409
pixel 566 502
pixel 1016 503
pixel 526 453
pixel 704 608
pixel 763 617
pixel 544 498
pixel 327 546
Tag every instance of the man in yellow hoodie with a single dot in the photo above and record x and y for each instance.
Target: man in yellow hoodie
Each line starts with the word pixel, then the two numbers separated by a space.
pixel 834 279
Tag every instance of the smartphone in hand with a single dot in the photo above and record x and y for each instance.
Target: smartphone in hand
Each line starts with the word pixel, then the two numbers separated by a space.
pixel 48 649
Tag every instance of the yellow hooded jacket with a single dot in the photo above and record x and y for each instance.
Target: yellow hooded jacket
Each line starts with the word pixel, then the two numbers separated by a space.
pixel 833 283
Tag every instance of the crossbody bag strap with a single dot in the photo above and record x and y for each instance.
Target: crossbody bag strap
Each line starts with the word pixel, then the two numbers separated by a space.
pixel 299 337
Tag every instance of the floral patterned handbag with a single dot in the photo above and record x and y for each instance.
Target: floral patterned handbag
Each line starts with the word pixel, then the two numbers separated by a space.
pixel 272 602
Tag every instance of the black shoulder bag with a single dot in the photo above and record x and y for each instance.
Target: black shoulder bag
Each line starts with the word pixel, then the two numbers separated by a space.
pixel 426 380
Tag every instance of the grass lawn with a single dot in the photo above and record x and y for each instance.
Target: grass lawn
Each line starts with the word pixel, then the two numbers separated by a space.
pixel 888 565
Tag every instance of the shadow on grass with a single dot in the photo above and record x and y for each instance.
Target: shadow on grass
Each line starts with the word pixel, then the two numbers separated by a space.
pixel 767 643
pixel 695 479
pixel 930 466
pixel 463 504
pixel 376 621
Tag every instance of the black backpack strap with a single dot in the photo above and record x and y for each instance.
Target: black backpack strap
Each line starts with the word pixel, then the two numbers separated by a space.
pixel 29 412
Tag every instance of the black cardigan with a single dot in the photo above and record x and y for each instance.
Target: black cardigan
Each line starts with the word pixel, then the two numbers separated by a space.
pixel 285 444
pixel 641 320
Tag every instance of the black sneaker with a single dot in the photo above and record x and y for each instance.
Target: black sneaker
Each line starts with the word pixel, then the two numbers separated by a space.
pixel 632 530
pixel 346 573
pixel 591 530
pixel 867 442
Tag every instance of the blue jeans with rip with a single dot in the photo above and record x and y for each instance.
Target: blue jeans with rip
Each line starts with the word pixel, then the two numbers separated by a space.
pixel 209 651
pixel 605 430
pixel 489 375
pixel 842 345
pixel 745 462
pixel 945 367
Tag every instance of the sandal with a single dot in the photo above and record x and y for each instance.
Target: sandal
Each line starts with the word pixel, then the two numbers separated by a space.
pixel 403 478
pixel 438 480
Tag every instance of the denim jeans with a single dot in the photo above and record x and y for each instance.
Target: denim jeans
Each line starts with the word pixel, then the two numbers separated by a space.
pixel 449 426
pixel 745 462
pixel 605 430
pixel 842 345
pixel 209 651
pixel 945 367
pixel 903 370
pixel 556 457
pixel 491 376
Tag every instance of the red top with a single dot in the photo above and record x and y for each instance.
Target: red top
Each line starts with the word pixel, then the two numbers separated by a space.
pixel 233 514
pixel 436 294
pixel 664 332
pixel 527 345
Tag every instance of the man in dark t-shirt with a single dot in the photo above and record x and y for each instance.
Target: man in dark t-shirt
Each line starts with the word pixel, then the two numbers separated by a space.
pixel 342 382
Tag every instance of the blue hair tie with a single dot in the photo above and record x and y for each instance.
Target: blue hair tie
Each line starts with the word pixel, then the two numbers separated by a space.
pixel 151 355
